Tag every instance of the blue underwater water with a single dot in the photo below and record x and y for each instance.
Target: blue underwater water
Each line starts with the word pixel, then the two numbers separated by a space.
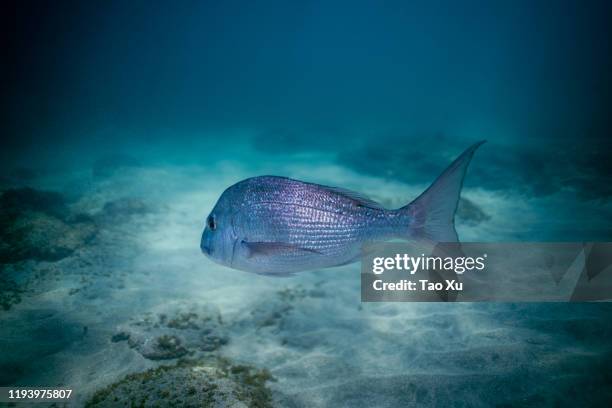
pixel 125 121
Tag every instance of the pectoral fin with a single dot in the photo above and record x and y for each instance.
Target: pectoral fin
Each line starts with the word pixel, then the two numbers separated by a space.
pixel 275 248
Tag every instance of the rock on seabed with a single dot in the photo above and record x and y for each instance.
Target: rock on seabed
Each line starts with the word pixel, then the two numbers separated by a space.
pixel 212 383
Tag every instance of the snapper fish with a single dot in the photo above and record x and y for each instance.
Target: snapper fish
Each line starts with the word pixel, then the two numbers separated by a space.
pixel 278 226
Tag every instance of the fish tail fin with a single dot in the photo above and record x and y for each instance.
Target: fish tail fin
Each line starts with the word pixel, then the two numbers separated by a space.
pixel 432 214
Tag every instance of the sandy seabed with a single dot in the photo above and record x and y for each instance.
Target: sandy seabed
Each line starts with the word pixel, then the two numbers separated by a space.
pixel 135 293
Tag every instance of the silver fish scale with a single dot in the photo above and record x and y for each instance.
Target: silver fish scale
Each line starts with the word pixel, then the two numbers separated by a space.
pixel 275 209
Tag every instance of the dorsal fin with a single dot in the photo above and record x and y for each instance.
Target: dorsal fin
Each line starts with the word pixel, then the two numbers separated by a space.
pixel 359 199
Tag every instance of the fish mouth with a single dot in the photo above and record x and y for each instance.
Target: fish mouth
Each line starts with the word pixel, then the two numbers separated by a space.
pixel 203 247
pixel 205 250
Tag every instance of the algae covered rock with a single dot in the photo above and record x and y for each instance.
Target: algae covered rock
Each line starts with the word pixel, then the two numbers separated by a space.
pixel 10 293
pixel 21 200
pixel 206 383
pixel 164 347
pixel 37 225
pixel 42 237
pixel 272 312
pixel 177 331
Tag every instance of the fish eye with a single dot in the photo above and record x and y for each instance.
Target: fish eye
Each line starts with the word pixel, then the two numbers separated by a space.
pixel 211 223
